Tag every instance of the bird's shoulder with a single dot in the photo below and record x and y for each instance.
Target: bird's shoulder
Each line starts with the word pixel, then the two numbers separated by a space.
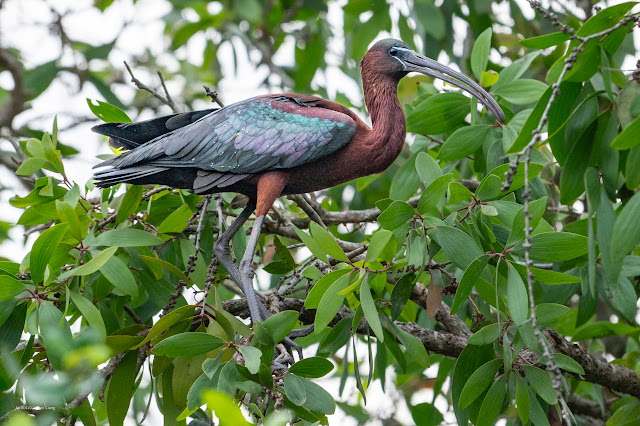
pixel 288 106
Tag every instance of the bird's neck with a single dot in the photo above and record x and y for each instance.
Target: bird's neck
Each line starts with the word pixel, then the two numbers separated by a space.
pixel 387 118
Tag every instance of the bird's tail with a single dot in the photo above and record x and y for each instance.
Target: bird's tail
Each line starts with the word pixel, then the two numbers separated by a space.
pixel 135 175
pixel 132 135
pixel 143 142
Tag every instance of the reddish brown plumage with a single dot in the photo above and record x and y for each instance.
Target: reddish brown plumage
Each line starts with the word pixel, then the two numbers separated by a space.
pixel 370 151
pixel 268 159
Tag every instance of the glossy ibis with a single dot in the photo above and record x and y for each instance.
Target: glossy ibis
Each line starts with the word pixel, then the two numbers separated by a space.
pixel 274 145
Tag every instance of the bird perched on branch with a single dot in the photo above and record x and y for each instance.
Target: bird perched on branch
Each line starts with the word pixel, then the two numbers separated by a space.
pixel 274 145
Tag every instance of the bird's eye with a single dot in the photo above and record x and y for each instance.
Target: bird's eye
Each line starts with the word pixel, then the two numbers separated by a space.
pixel 393 52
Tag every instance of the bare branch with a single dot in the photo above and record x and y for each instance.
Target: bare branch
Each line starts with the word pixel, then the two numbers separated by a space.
pixel 164 99
pixel 17 99
pixel 213 95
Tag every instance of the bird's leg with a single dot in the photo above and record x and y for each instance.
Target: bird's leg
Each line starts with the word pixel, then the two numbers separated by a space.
pixel 221 249
pixel 246 270
pixel 246 267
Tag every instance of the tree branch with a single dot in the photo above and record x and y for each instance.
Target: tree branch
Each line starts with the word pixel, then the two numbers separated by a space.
pixel 17 99
pixel 615 377
pixel 164 99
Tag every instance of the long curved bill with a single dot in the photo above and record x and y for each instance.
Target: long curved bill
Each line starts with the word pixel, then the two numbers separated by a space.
pixel 427 66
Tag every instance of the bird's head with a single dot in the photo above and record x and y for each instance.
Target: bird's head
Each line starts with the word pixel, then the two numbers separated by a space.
pixel 396 59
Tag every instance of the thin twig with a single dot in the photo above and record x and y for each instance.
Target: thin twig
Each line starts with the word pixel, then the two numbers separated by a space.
pixel 525 156
pixel 213 95
pixel 140 85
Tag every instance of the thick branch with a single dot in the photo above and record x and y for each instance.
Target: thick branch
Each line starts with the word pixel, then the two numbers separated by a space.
pixel 17 99
pixel 615 377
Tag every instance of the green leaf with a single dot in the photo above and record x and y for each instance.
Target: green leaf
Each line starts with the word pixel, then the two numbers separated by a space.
pixel 545 41
pixel 485 335
pixel 317 291
pixel 280 324
pixel 121 388
pixel 478 382
pixel 312 245
pixel 44 248
pixel 93 265
pixel 176 221
pixel 396 215
pixel 568 364
pixel 107 112
pixel 463 142
pixel 167 321
pixel 560 114
pixel 540 382
pixel 427 168
pixel 126 237
pixel 515 70
pixel 168 266
pixel 489 187
pixel 377 243
pixel 432 19
pixel 38 79
pixel 458 192
pixel 537 415
pixel 518 178
pixel 415 347
pixel 426 414
pixel 517 297
pixel 10 287
pixel 313 367
pixel 536 210
pixel 434 193
pixel 330 303
pixel 369 309
pixel 459 246
pixel 471 358
pixel 626 230
pixel 400 294
pixel 251 357
pixel 30 166
pixel 187 344
pixel 283 252
pixel 318 399
pixel 129 203
pixel 549 277
pixel 67 214
pixel 480 53
pixel 90 313
pixel 572 178
pixel 337 338
pixel 526 134
pixel 469 278
pixel 277 268
pixel 558 246
pixel 118 273
pixel 489 78
pixel 327 242
pixel 406 181
pixel 521 92
pixel 438 114
pixel 492 404
pixel 294 389
pixel 522 398
pixel 548 312
pixel 603 329
pixel 225 408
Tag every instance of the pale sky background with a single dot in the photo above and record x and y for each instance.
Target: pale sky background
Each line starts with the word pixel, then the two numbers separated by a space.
pixel 24 24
